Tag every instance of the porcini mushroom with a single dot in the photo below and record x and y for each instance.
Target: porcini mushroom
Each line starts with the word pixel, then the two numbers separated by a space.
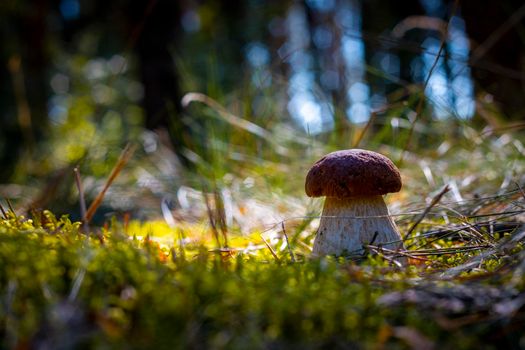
pixel 354 213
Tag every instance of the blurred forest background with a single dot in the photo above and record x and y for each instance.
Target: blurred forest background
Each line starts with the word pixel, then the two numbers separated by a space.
pixel 80 79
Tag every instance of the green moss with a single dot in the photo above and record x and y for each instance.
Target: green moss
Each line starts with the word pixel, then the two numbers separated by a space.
pixel 64 288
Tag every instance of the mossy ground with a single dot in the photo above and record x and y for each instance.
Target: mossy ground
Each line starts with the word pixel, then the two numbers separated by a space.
pixel 61 288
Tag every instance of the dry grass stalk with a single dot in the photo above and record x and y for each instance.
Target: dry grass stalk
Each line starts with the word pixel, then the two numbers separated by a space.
pixel 10 207
pixel 434 201
pixel 220 215
pixel 288 242
pixel 270 248
pixel 3 211
pixel 122 161
pixel 212 219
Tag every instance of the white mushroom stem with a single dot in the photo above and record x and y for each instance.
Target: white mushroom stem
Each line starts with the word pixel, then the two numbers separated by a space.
pixel 349 223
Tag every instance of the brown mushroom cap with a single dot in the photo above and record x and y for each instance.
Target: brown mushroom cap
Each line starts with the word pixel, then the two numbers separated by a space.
pixel 353 172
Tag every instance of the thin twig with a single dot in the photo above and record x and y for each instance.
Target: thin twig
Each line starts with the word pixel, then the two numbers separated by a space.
pixel 386 250
pixel 424 252
pixel 388 258
pixel 270 248
pixel 508 213
pixel 475 232
pixel 451 250
pixel 448 231
pixel 374 237
pixel 434 201
pixel 419 107
pixel 123 159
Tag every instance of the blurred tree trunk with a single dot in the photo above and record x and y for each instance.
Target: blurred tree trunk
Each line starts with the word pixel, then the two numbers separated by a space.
pixel 158 31
pixel 24 80
pixel 485 20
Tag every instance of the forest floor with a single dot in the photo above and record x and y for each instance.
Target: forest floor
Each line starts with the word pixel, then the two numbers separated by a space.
pixel 230 266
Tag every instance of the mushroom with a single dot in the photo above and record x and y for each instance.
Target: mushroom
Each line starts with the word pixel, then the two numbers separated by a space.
pixel 354 213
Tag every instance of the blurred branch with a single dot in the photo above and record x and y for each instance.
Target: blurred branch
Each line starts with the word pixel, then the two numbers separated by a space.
pixel 482 49
pixel 415 47
pixel 420 22
pixel 510 127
